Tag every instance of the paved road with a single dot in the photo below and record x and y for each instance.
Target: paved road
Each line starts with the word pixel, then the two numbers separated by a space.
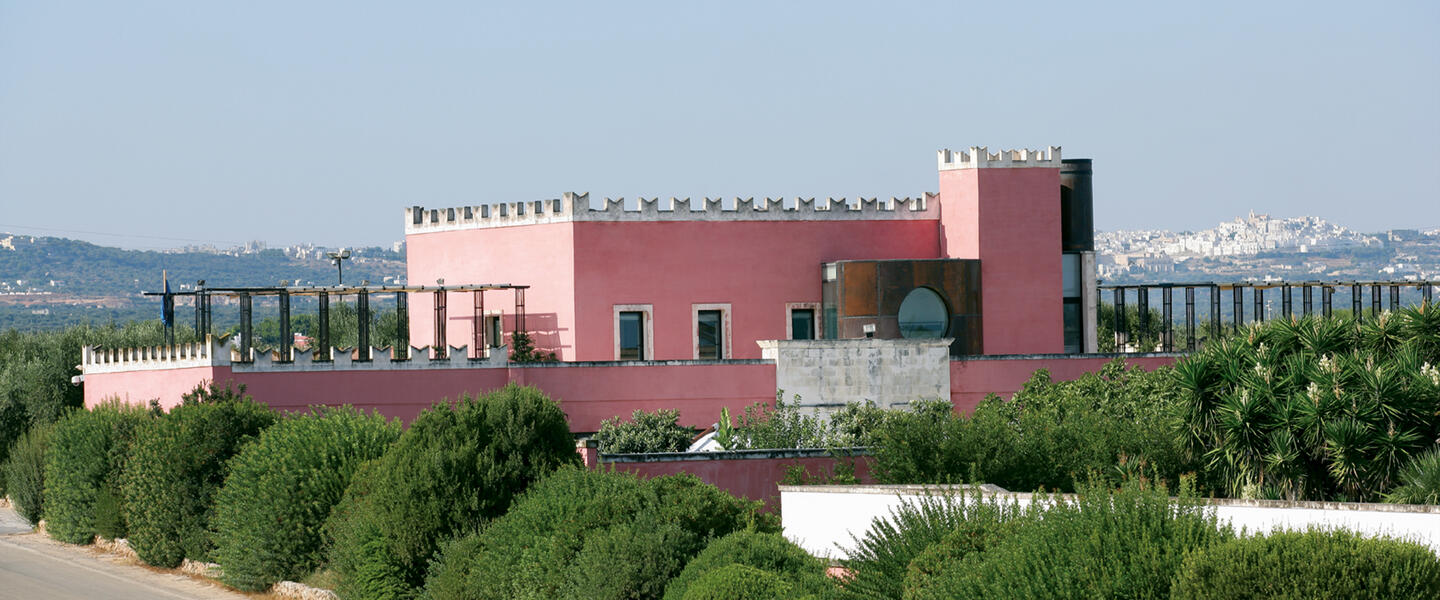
pixel 34 567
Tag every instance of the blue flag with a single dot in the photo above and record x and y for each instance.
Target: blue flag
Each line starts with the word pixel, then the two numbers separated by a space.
pixel 167 304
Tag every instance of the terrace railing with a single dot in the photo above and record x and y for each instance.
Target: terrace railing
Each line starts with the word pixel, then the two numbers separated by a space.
pixel 1211 308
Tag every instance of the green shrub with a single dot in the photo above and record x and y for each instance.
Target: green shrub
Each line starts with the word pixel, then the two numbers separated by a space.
pixel 177 465
pixel 659 431
pixel 770 552
pixel 880 560
pixel 270 513
pixel 1117 422
pixel 453 469
pixel 737 581
pixel 788 425
pixel 1419 480
pixel 592 535
pixel 84 461
pixel 1100 544
pixel 25 473
pixel 928 576
pixel 1313 408
pixel 1310 564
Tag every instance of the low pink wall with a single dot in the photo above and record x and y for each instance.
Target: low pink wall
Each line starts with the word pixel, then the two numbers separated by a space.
pixel 588 393
pixel 140 387
pixel 592 393
pixel 973 379
pixel 752 478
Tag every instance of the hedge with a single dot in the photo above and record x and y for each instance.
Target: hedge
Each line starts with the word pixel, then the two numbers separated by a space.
pixel 1310 564
pixel 177 465
pixel 770 552
pixel 592 535
pixel 1125 543
pixel 25 473
pixel 270 513
pixel 737 581
pixel 85 460
pixel 453 469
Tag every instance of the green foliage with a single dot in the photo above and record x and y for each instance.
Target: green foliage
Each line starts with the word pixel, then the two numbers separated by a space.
pixel 344 326
pixel 456 467
pixel 36 367
pixel 930 575
pixel 1125 543
pixel 25 473
pixel 1309 564
pixel 879 562
pixel 1117 423
pixel 659 431
pixel 84 461
pixel 176 467
pixel 270 513
pixel 591 535
pixel 524 351
pixel 737 581
pixel 1313 408
pixel 1419 480
pixel 787 425
pixel 769 552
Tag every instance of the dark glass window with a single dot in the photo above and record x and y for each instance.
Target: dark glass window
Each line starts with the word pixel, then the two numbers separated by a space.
pixel 492 331
pixel 632 336
pixel 923 314
pixel 802 324
pixel 708 331
pixel 1073 326
pixel 832 324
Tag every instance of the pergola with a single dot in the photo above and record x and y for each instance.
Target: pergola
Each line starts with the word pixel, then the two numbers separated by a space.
pixel 362 294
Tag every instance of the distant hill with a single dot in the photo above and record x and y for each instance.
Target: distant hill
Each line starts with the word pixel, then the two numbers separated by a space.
pixel 48 282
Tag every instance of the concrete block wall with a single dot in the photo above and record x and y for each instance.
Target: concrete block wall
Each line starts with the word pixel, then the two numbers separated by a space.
pixel 891 373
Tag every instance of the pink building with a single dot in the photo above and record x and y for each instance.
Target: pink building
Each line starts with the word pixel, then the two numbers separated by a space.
pixel 953 294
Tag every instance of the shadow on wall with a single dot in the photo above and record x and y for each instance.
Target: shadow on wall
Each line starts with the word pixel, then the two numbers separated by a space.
pixel 544 330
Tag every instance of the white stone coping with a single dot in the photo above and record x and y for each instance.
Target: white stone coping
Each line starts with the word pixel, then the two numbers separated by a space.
pixel 381 359
pixel 770 349
pixel 979 157
pixel 823 518
pixel 211 352
pixel 573 207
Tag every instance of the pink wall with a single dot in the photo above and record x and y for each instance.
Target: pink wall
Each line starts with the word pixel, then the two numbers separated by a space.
pixel 1010 220
pixel 755 266
pixel 971 380
pixel 139 387
pixel 588 394
pixel 752 478
pixel 541 256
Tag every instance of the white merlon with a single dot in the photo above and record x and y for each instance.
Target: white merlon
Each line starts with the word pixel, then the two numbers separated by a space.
pixel 223 352
pixel 381 359
pixel 212 352
pixel 979 157
pixel 574 207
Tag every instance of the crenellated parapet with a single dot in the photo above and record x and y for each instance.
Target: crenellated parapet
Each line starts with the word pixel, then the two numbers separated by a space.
pixel 979 157
pixel 212 352
pixel 420 358
pixel 576 208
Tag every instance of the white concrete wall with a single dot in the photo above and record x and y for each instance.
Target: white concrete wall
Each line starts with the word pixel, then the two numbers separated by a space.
pixel 890 373
pixel 822 519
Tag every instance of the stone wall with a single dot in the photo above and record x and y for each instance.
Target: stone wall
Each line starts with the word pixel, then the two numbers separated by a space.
pixel 826 374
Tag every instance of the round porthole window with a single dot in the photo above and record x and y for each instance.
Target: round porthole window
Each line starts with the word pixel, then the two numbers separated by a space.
pixel 923 314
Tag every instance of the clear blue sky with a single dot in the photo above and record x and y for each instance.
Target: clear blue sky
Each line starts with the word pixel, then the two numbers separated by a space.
pixel 319 121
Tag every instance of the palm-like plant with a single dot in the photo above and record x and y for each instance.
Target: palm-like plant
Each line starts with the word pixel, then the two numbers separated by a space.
pixel 1313 407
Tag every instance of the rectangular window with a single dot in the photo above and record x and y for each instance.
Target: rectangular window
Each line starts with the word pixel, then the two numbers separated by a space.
pixel 632 335
pixel 832 324
pixel 709 334
pixel 802 324
pixel 492 331
pixel 1073 327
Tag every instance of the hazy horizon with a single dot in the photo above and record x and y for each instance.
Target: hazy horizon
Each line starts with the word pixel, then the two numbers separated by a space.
pixel 162 124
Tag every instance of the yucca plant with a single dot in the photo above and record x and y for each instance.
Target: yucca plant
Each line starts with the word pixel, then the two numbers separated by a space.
pixel 1419 480
pixel 1312 408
